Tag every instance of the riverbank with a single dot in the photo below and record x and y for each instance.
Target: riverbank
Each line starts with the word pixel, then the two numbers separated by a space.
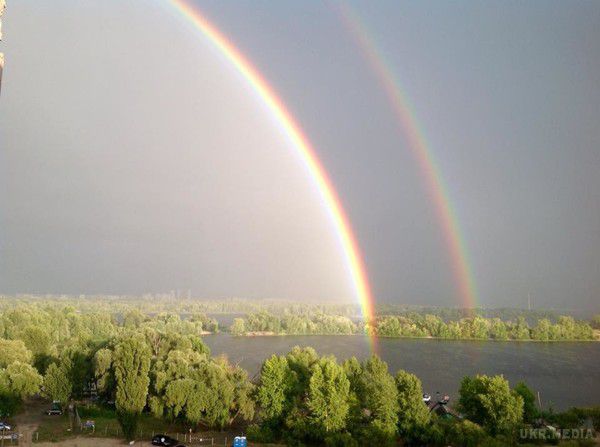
pixel 565 374
pixel 408 337
pixel 413 325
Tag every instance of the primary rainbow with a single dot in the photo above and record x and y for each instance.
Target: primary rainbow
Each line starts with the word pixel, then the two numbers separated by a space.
pixel 422 151
pixel 299 141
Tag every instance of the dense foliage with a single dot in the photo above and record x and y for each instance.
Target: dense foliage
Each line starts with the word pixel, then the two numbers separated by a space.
pixel 416 325
pixel 136 360
pixel 157 363
pixel 490 402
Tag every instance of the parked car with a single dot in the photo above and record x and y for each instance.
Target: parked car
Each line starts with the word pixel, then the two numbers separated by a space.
pixel 5 427
pixel 165 441
pixel 55 409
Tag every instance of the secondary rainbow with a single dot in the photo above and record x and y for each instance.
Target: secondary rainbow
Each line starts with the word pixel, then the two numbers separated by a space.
pixel 423 153
pixel 299 141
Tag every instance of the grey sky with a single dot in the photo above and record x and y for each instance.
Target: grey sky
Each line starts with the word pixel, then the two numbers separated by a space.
pixel 134 159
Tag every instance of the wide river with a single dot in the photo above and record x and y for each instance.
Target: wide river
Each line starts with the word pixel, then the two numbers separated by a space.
pixel 565 374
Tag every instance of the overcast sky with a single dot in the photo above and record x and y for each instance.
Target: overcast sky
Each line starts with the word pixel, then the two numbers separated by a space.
pixel 134 159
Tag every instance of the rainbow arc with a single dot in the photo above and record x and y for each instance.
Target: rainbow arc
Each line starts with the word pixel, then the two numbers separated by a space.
pixel 406 117
pixel 299 142
pixel 423 153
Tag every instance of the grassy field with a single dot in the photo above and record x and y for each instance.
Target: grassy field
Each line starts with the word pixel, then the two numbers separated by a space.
pixel 63 430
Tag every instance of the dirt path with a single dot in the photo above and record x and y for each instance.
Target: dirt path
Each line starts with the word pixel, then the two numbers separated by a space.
pixel 29 419
pixel 27 431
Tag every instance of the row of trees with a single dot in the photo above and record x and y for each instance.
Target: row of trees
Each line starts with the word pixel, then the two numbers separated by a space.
pixel 416 325
pixel 159 303
pixel 566 328
pixel 265 322
pixel 182 382
pixel 305 398
pixel 183 305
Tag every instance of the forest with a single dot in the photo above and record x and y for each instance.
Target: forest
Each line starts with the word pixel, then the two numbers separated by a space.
pixel 131 362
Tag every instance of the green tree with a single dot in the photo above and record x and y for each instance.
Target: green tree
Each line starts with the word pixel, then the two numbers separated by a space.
pixel 542 331
pixel 20 380
pixel 413 415
pixel 454 330
pixel 238 327
pixel 583 331
pixel 433 325
pixel 103 373
pixel 197 345
pixel 568 328
pixel 379 396
pixel 519 330
pixel 131 365
pixel 465 434
pixel 213 398
pixel 263 322
pixel 328 393
pixel 57 383
pixel 498 330
pixel 38 340
pixel 530 411
pixel 300 361
pixel 277 383
pixel 490 402
pixel 199 389
pixel 354 369
pixel 133 319
pixel 480 327
pixel 243 392
pixel 178 365
pixel 13 351
pixel 76 361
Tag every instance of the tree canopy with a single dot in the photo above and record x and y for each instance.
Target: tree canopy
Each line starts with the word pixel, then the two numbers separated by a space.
pixel 489 401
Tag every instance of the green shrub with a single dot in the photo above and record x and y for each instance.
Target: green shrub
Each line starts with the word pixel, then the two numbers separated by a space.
pixel 9 405
pixel 129 422
pixel 260 433
pixel 465 434
pixel 95 411
pixel 341 440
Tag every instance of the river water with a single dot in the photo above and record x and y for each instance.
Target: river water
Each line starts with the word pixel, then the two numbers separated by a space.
pixel 565 374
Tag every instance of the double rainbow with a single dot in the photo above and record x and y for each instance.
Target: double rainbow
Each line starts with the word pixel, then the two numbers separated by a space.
pixel 299 141
pixel 411 129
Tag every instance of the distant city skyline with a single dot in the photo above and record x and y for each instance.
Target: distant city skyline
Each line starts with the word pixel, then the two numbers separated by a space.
pixel 135 159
